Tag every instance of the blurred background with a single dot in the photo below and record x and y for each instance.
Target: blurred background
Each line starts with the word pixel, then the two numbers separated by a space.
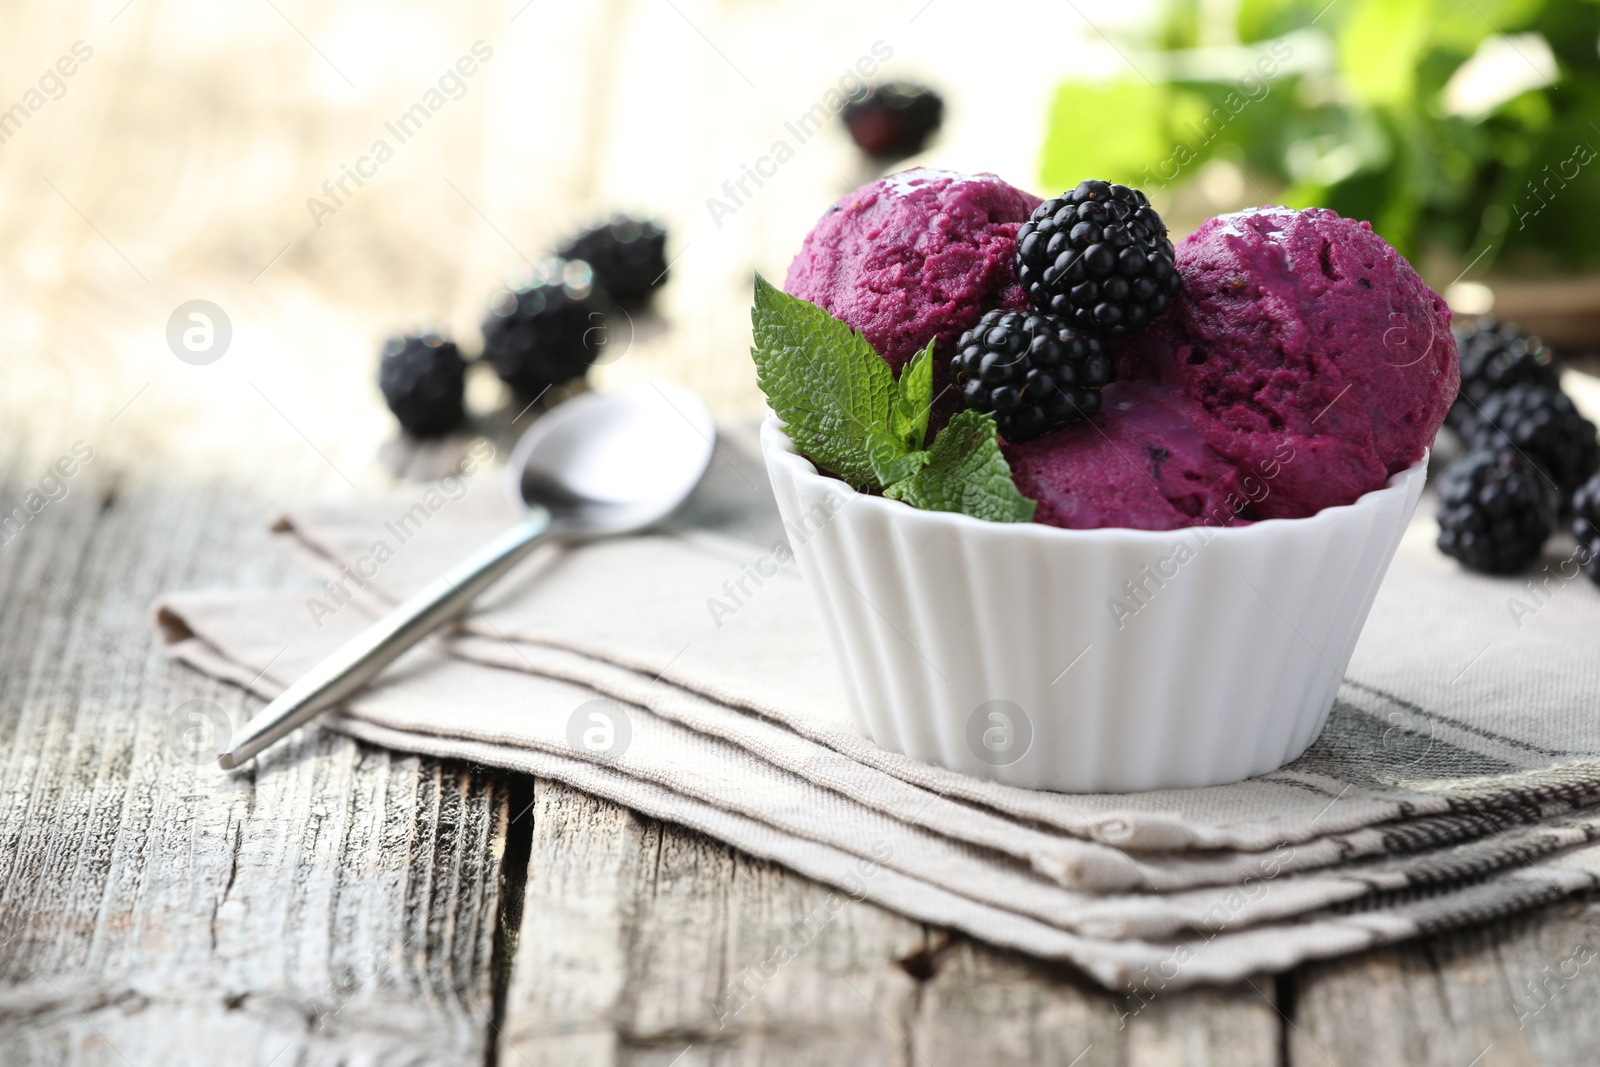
pixel 155 152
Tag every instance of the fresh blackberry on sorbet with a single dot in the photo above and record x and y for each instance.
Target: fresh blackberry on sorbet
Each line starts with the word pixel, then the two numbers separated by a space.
pixel 1098 256
pixel 628 256
pixel 422 377
pixel 1542 424
pixel 546 333
pixel 1494 357
pixel 1034 373
pixel 894 120
pixel 1495 511
pixel 1586 526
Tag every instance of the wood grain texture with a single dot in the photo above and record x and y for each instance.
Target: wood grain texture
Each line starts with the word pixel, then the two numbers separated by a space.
pixel 646 943
pixel 336 904
pixel 345 904
pixel 997 1008
pixel 643 942
pixel 1522 992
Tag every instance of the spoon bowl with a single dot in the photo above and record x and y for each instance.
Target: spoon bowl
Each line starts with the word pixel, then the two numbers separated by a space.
pixel 599 465
pixel 608 463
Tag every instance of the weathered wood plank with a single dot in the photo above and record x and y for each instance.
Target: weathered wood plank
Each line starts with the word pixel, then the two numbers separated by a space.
pixel 342 903
pixel 338 904
pixel 642 941
pixel 1517 992
pixel 570 967
pixel 985 1006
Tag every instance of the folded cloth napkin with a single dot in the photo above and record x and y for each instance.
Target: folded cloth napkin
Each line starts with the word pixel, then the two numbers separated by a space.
pixel 682 673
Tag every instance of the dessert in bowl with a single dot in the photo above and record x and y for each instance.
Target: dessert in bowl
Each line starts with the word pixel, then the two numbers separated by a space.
pixel 1080 510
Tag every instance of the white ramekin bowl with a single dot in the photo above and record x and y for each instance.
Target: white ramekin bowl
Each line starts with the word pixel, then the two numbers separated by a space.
pixel 999 649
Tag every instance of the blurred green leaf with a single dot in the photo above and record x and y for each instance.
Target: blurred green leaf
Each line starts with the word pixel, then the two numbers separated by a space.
pixel 1371 138
pixel 1554 197
pixel 1112 131
pixel 1380 45
pixel 1262 20
pixel 1573 28
pixel 1460 25
pixel 1181 26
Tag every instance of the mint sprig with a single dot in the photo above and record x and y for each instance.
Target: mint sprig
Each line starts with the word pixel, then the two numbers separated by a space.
pixel 913 398
pixel 826 383
pixel 845 412
pixel 898 454
pixel 966 472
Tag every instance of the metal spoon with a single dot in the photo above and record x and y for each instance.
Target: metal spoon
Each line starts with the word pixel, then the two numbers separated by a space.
pixel 598 465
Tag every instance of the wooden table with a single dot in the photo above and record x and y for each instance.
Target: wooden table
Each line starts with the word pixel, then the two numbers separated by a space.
pixel 342 903
pixel 345 904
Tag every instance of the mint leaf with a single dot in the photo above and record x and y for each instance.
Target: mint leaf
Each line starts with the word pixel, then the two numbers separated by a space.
pixel 843 409
pixel 913 397
pixel 826 383
pixel 966 472
pixel 890 461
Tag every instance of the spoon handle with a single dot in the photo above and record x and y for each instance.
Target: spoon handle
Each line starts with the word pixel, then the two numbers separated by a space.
pixel 363 656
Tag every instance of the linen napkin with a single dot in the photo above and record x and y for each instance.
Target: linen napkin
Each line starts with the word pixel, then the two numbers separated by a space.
pixel 677 674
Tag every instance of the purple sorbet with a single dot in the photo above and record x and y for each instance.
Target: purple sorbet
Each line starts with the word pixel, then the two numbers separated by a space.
pixel 1142 463
pixel 1303 334
pixel 913 257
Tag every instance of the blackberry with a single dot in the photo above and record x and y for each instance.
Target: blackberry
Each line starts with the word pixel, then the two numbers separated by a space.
pixel 1543 425
pixel 1495 511
pixel 1496 356
pixel 1033 372
pixel 894 120
pixel 1099 257
pixel 547 333
pixel 422 377
pixel 628 256
pixel 1586 526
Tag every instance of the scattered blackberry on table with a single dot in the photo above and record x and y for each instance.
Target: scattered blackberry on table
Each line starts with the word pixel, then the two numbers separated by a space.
pixel 1542 424
pixel 1098 256
pixel 547 333
pixel 1494 357
pixel 422 377
pixel 894 120
pixel 1495 511
pixel 1035 373
pixel 1586 526
pixel 628 256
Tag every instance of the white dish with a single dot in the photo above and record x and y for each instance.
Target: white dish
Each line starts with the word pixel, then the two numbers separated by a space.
pixel 996 649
